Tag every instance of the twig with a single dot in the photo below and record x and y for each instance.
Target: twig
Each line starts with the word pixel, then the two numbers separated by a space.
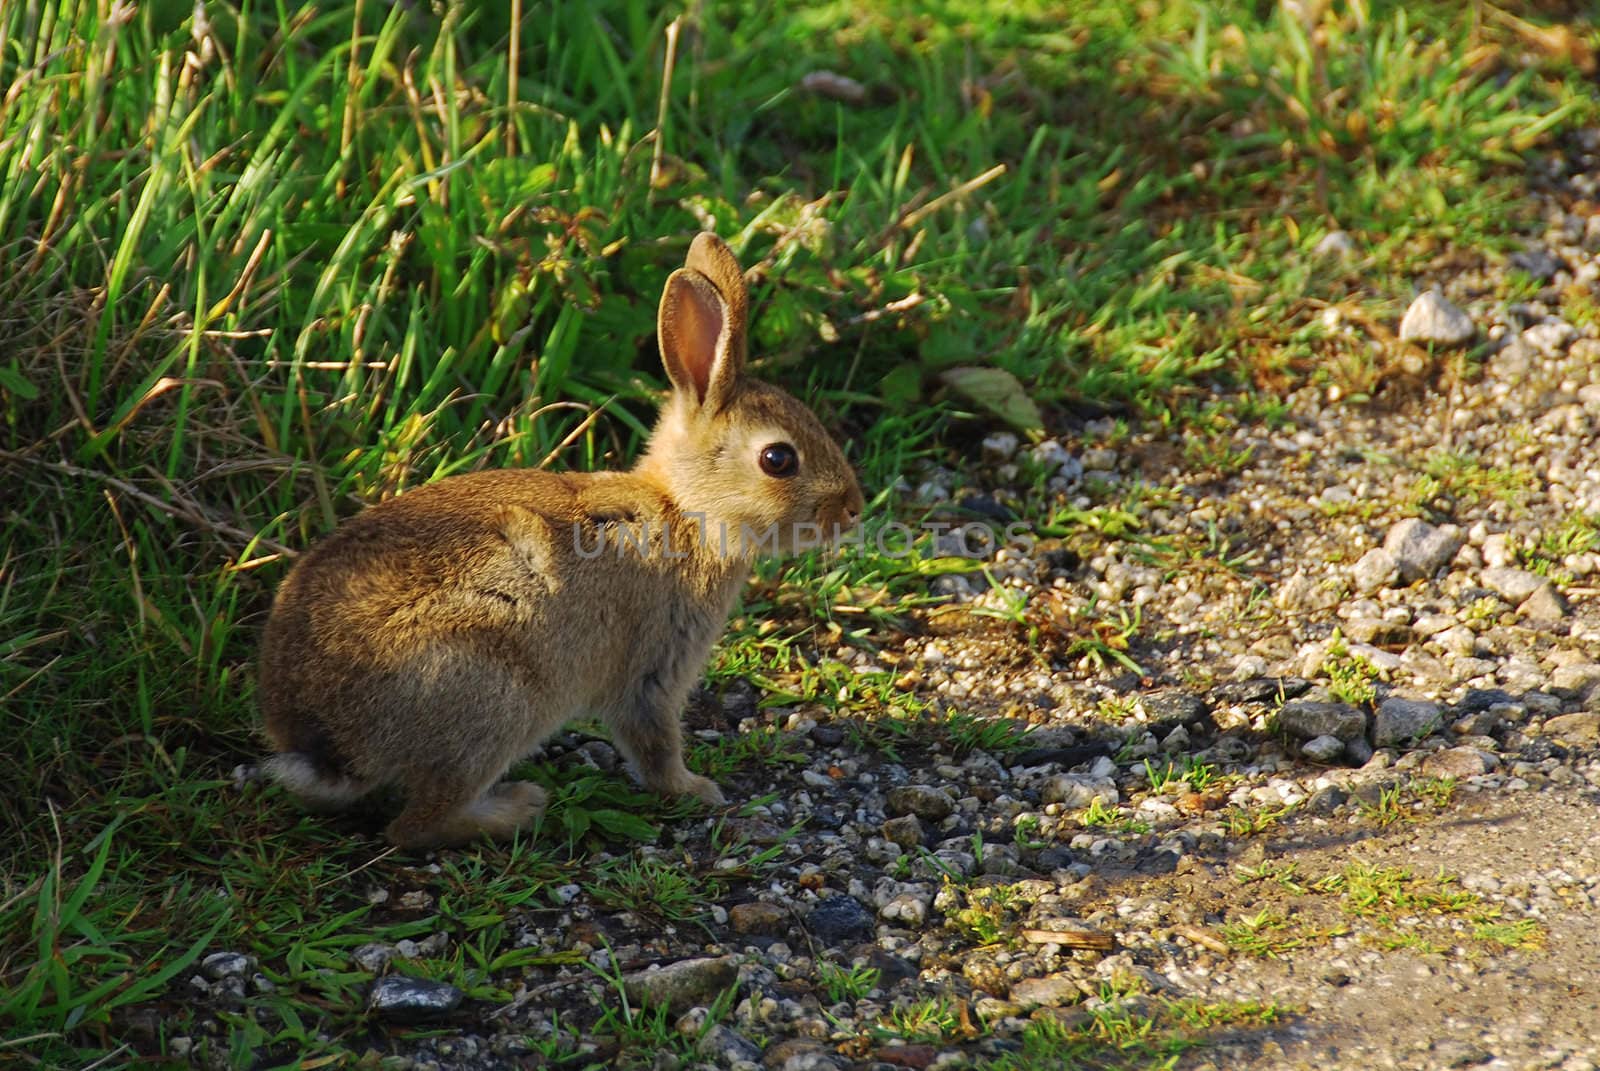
pixel 671 60
pixel 910 301
pixel 1203 938
pixel 527 995
pixel 1092 940
pixel 380 857
pixel 511 77
pixel 912 218
pixel 572 436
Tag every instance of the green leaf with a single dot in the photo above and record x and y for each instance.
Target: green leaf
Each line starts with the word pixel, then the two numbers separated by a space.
pixel 622 824
pixel 14 382
pixel 902 387
pixel 948 344
pixel 998 391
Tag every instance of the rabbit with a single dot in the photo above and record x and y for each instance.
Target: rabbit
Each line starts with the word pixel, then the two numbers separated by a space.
pixel 435 638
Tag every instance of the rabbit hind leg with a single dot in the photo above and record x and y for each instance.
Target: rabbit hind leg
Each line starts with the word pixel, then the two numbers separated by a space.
pixel 437 816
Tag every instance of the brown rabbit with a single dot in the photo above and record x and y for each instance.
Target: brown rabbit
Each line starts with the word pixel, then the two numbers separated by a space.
pixel 436 638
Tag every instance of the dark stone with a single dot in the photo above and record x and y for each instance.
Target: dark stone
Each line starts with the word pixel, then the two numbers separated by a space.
pixel 989 508
pixel 1157 861
pixel 1061 559
pixel 1067 757
pixel 1258 690
pixel 1480 699
pixel 1537 751
pixel 826 818
pixel 892 969
pixel 827 736
pixel 839 919
pixel 1540 264
pixel 1308 720
pixel 408 999
pixel 1174 708
pixel 1327 799
pixel 1052 859
pixel 740 700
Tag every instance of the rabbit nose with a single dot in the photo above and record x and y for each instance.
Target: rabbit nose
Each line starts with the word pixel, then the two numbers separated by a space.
pixel 853 505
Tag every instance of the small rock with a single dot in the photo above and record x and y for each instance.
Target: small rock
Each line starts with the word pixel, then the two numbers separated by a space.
pixel 400 997
pixel 1551 337
pixel 726 1045
pixel 907 908
pixel 1419 549
pixel 1512 585
pixel 1335 245
pixel 1432 318
pixel 827 735
pixel 1540 264
pixel 372 958
pixel 922 801
pixel 220 965
pixel 1079 790
pixel 1399 721
pixel 1358 751
pixel 1049 992
pixel 1323 748
pixel 684 984
pixel 838 920
pixel 1379 632
pixel 1259 690
pixel 1545 604
pixel 1099 459
pixel 1327 799
pixel 1173 708
pixel 1375 569
pixel 1575 678
pixel 1309 719
pixel 1454 1052
pixel 989 508
pixel 1458 640
pixel 999 446
pixel 758 917
pixel 1457 762
pixel 918 1057
pixel 799 1054
pixel 1580 728
pixel 905 831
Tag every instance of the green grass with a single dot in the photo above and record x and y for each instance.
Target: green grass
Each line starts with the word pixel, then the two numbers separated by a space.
pixel 1389 907
pixel 1132 1034
pixel 265 269
pixel 839 983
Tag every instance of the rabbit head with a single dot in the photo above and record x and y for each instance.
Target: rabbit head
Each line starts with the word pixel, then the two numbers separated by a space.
pixel 747 458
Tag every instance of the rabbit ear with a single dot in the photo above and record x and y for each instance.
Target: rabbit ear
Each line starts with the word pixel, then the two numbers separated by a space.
pixel 711 257
pixel 701 324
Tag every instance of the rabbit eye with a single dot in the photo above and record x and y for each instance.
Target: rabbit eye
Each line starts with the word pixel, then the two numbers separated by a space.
pixel 779 460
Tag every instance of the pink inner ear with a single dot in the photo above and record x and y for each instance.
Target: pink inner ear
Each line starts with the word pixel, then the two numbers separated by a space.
pixel 699 328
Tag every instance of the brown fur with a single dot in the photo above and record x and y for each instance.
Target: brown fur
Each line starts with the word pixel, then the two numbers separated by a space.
pixel 438 637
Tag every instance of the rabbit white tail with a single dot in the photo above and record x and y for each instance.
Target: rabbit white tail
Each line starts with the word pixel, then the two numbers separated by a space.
pixel 295 771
